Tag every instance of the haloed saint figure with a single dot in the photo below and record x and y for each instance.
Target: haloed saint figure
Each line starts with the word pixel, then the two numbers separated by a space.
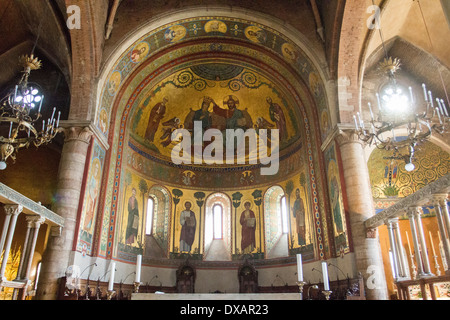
pixel 248 224
pixel 133 219
pixel 188 224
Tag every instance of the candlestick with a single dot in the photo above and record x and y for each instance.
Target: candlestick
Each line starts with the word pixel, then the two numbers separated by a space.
pixel 411 256
pixel 326 282
pixel 432 245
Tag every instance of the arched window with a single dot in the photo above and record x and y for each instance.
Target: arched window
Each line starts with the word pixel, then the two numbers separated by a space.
pixel 150 211
pixel 217 221
pixel 284 215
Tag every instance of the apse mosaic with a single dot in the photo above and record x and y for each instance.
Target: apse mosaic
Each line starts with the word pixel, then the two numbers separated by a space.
pixel 199 28
pixel 168 92
pixel 183 220
pixel 219 96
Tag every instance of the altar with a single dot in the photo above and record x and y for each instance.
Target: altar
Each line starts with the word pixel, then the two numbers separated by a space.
pixel 216 296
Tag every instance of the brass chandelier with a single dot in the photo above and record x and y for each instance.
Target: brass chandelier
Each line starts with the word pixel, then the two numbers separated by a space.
pixel 20 116
pixel 396 106
pixel 400 110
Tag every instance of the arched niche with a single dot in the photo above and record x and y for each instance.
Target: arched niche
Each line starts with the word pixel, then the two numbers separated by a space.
pixel 157 240
pixel 277 244
pixel 217 249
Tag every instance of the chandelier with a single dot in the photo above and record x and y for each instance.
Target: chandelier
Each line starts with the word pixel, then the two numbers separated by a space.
pixel 20 116
pixel 400 110
pixel 397 111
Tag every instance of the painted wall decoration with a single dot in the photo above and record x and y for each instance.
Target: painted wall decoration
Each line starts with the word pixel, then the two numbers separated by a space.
pixel 224 27
pixel 147 160
pixel 243 100
pixel 91 200
pixel 390 180
pixel 340 232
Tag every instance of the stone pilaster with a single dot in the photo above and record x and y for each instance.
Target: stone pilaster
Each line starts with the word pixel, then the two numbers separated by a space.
pixel 70 178
pixel 369 261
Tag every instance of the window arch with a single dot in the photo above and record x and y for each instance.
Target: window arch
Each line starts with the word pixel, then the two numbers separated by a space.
pixel 149 216
pixel 284 215
pixel 218 221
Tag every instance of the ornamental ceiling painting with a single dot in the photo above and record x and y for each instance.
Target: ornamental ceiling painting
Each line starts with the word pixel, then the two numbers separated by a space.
pixel 160 83
pixel 203 93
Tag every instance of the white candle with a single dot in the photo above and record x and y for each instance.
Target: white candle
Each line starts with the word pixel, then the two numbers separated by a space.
pixel 440 106
pixel 432 245
pixel 40 105
pixel 444 107
pixel 326 281
pixel 409 244
pixel 431 99
pixel 356 123
pixel 57 122
pixel 111 278
pixel 370 109
pixel 411 95
pixel 439 115
pixel 10 129
pixel 299 268
pixel 138 268
pixel 425 92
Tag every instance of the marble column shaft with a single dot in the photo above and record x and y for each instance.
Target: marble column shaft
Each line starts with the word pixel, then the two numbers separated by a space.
pixel 70 177
pixel 360 203
pixel 13 211
pixel 442 214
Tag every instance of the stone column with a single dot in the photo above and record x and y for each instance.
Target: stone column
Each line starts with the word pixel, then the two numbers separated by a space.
pixel 392 243
pixel 423 244
pixel 412 224
pixel 26 260
pixel 70 178
pixel 369 261
pixel 440 202
pixel 13 211
pixel 401 254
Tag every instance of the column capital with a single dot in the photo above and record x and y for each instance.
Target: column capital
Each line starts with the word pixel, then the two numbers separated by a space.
pixel 391 223
pixel 13 209
pixel 346 136
pixel 34 221
pixel 82 134
pixel 440 199
pixel 413 211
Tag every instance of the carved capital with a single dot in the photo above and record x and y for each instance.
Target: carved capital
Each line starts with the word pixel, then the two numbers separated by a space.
pixel 440 199
pixel 56 231
pixel 82 134
pixel 371 233
pixel 13 209
pixel 414 212
pixel 35 221
pixel 346 136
